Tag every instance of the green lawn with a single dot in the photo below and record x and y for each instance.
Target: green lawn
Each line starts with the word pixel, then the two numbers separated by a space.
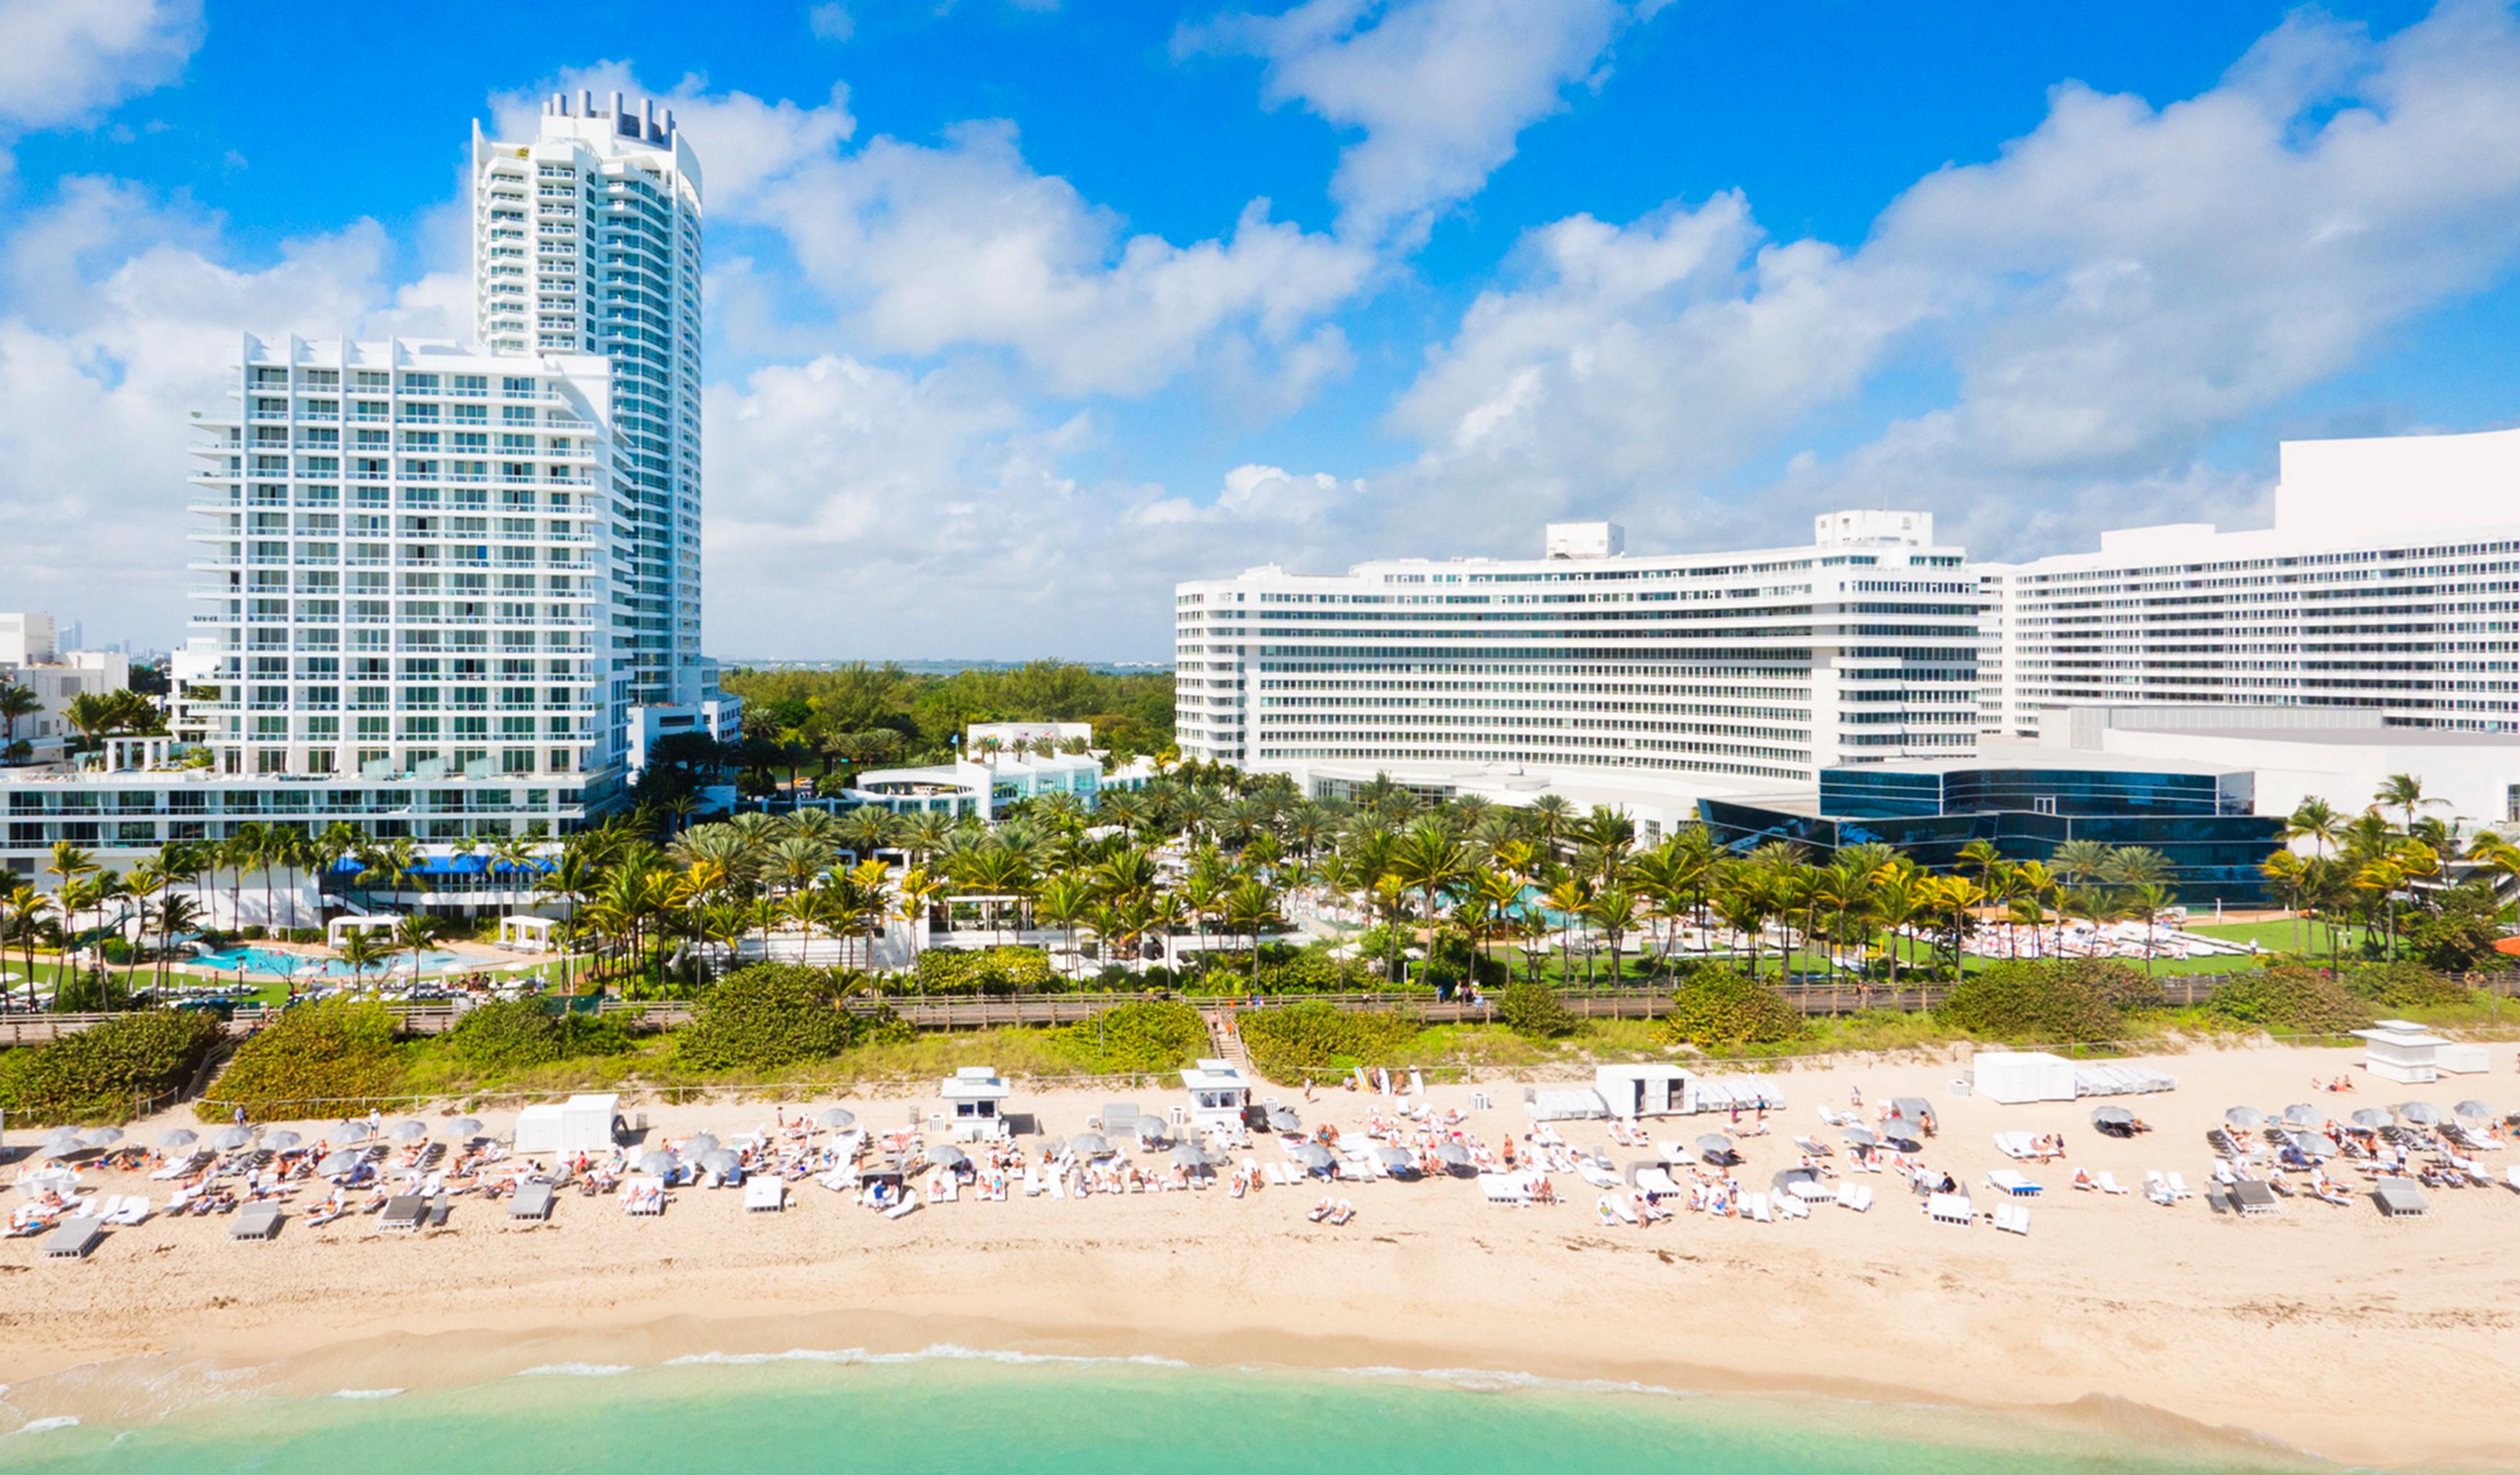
pixel 2310 935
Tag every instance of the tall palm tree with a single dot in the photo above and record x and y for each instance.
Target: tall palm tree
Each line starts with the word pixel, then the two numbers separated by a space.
pixel 1251 906
pixel 15 702
pixel 2403 792
pixel 414 934
pixel 2315 821
pixel 24 907
pixel 1613 909
pixel 362 949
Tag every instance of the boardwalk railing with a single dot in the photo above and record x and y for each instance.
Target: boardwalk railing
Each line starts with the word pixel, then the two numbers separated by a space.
pixel 940 1014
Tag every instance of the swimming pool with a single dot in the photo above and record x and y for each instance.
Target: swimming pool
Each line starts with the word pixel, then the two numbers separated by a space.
pixel 272 964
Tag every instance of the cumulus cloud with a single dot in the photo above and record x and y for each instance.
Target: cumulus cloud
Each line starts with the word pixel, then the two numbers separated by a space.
pixel 1434 91
pixel 64 61
pixel 1261 494
pixel 964 245
pixel 2111 292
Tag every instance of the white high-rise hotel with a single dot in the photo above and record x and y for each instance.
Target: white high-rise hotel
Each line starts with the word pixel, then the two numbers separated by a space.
pixel 448 591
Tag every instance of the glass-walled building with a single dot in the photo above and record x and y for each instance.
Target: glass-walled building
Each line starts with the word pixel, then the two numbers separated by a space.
pixel 2199 819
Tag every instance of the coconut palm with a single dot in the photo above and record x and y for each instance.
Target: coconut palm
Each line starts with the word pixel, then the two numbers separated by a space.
pixel 15 702
pixel 2403 792
pixel 1251 907
pixel 24 907
pixel 413 934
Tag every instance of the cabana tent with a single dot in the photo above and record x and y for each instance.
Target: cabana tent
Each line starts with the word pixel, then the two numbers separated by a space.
pixel 2017 1077
pixel 581 1124
pixel 2396 1049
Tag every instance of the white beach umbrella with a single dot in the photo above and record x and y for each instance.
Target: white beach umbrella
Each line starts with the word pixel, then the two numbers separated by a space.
pixel 2422 1113
pixel 281 1141
pixel 2372 1118
pixel 948 1156
pixel 336 1162
pixel 1861 1136
pixel 181 1136
pixel 1451 1154
pixel 1089 1144
pixel 721 1160
pixel 2246 1115
pixel 2474 1111
pixel 349 1134
pixel 1394 1159
pixel 2304 1114
pixel 838 1119
pixel 1317 1158
pixel 407 1131
pixel 1191 1156
pixel 101 1136
pixel 229 1138
pixel 464 1129
pixel 700 1142
pixel 1282 1119
pixel 657 1161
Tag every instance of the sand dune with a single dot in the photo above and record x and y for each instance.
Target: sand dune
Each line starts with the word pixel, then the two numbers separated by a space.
pixel 2328 1329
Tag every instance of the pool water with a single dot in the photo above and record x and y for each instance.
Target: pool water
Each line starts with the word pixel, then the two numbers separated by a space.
pixel 264 961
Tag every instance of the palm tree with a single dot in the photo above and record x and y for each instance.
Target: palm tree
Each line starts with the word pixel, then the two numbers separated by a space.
pixel 24 907
pixel 2405 793
pixel 1064 902
pixel 15 702
pixel 362 948
pixel 570 878
pixel 2315 821
pixel 1613 909
pixel 413 934
pixel 1251 906
pixel 2288 873
pixel 2147 901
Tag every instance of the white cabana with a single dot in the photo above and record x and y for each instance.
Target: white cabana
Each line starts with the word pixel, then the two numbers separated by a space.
pixel 341 927
pixel 976 1095
pixel 523 932
pixel 1631 1092
pixel 580 1123
pixel 2017 1076
pixel 2398 1049
pixel 1218 1093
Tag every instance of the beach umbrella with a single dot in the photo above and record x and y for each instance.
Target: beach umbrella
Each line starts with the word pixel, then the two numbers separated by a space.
pixel 838 1119
pixel 336 1163
pixel 1861 1136
pixel 229 1138
pixel 67 1136
pixel 657 1161
pixel 2372 1117
pixel 1151 1132
pixel 1451 1155
pixel 949 1157
pixel 1282 1119
pixel 2303 1114
pixel 61 1148
pixel 1394 1159
pixel 1902 1133
pixel 2474 1111
pixel 2112 1116
pixel 181 1136
pixel 721 1160
pixel 1191 1156
pixel 2246 1115
pixel 405 1132
pixel 99 1136
pixel 349 1134
pixel 2311 1144
pixel 1317 1158
pixel 700 1142
pixel 2424 1113
pixel 464 1129
pixel 281 1141
pixel 1089 1145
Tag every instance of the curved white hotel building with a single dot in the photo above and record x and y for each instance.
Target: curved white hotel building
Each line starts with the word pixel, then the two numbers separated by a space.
pixel 1727 670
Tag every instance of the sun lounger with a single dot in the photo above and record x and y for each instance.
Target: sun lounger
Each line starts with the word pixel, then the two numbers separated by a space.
pixel 2109 1183
pixel 74 1239
pixel 132 1210
pixel 1832 1119
pixel 2179 1186
pixel 903 1209
pixel 439 1207
pixel 2513 1177
pixel 1598 1174
pixel 1856 1196
pixel 1813 1146
pixel 1755 1206
pixel 2217 1198
pixel 257 1221
pixel 2012 1218
pixel 1032 1182
pixel 1506 1189
pixel 1951 1209
pixel 1276 1173
pixel 2016 1145
pixel 533 1201
pixel 2255 1200
pixel 2008 1181
pixel 764 1196
pixel 1790 1206
pixel 642 1197
pixel 403 1213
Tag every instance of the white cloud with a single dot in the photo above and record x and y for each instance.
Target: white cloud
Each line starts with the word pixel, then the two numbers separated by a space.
pixel 964 245
pixel 1262 494
pixel 1437 90
pixel 65 61
pixel 2111 293
pixel 830 21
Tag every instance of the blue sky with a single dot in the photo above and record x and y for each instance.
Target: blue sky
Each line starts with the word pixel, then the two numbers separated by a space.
pixel 1021 311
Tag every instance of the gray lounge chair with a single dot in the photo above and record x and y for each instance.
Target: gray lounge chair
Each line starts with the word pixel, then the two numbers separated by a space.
pixel 2255 1200
pixel 74 1238
pixel 533 1201
pixel 256 1221
pixel 438 1210
pixel 403 1213
pixel 2401 1201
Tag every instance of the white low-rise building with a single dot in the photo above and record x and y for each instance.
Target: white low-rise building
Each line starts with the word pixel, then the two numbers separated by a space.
pixel 1218 1093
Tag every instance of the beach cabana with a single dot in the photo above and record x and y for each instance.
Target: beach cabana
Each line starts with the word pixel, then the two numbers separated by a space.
pixel 976 1095
pixel 256 1221
pixel 1631 1092
pixel 1218 1093
pixel 581 1124
pixel 533 1201
pixel 2395 1049
pixel 523 932
pixel 74 1239
pixel 2016 1078
pixel 1951 1209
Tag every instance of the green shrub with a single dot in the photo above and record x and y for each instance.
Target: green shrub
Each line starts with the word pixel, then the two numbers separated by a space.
pixel 767 1016
pixel 1287 1044
pixel 2289 998
pixel 2458 938
pixel 990 972
pixel 98 1073
pixel 515 1033
pixel 314 1060
pixel 92 991
pixel 1535 1012
pixel 1149 1036
pixel 2405 985
pixel 1716 1005
pixel 2038 1002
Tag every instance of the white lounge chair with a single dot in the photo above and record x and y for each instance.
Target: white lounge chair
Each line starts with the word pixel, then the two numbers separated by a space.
pixel 2109 1183
pixel 2014 1144
pixel 1598 1172
pixel 2011 1183
pixel 2157 1187
pixel 2179 1186
pixel 1755 1205
pixel 1855 1196
pixel 1274 1174
pixel 2514 1177
pixel 764 1195
pixel 1789 1206
pixel 902 1209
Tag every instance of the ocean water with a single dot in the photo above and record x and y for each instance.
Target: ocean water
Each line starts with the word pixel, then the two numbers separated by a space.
pixel 946 1414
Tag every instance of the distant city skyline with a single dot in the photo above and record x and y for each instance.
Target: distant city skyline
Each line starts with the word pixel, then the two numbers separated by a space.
pixel 1017 314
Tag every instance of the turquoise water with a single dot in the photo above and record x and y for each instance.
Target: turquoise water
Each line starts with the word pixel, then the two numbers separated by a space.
pixel 964 1414
pixel 265 961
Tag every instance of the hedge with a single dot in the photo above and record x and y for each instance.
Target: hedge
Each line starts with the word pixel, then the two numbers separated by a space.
pixel 1535 1012
pixel 2288 997
pixel 1134 1036
pixel 336 1052
pixel 1720 1007
pixel 2041 1001
pixel 99 1073
pixel 515 1033
pixel 989 972
pixel 1287 1044
pixel 2405 985
pixel 768 1016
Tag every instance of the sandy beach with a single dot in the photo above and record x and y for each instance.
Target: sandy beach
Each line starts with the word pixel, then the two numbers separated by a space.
pixel 2328 1329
